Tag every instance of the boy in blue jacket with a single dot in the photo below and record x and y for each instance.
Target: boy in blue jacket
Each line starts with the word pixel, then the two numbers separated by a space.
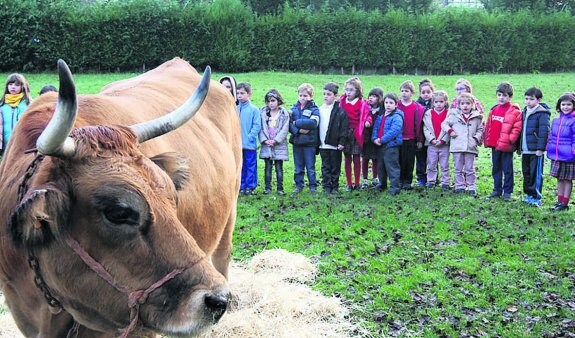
pixel 388 136
pixel 250 123
pixel 304 128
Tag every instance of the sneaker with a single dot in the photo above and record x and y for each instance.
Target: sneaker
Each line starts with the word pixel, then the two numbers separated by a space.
pixel 334 191
pixel 527 199
pixel 406 186
pixel 430 185
pixel 281 192
pixel 365 184
pixel 349 188
pixel 445 187
pixel 421 184
pixel 375 181
pixel 313 190
pixel 494 194
pixel 248 192
pixel 242 191
pixel 535 202
pixel 297 190
pixel 560 206
pixel 472 193
pixel 326 190
pixel 267 191
pixel 507 197
pixel 459 191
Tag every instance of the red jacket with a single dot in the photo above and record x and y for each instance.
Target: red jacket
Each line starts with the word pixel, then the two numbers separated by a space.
pixel 510 129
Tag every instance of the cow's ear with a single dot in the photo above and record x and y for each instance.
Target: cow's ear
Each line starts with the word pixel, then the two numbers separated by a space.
pixel 175 166
pixel 35 220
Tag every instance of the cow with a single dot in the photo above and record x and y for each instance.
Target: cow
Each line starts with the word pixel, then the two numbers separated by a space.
pixel 117 213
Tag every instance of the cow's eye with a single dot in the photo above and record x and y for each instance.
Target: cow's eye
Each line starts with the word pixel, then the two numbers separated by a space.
pixel 122 214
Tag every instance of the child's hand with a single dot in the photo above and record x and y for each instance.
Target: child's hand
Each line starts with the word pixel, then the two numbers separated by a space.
pixel 304 131
pixel 340 147
pixel 453 134
pixel 433 142
pixel 539 153
pixel 419 145
pixel 377 141
pixel 367 124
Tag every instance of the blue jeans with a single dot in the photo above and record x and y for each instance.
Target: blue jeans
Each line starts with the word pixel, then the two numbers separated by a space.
pixel 249 170
pixel 502 171
pixel 304 160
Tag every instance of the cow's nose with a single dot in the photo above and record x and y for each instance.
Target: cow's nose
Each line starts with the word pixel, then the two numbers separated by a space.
pixel 217 303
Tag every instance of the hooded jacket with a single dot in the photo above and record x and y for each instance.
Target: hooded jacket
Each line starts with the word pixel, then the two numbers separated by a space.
pixel 306 118
pixel 469 133
pixel 561 145
pixel 535 130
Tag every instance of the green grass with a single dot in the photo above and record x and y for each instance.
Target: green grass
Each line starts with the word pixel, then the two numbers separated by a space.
pixel 424 263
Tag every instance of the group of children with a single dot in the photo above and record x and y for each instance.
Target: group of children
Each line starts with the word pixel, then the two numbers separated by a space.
pixel 399 134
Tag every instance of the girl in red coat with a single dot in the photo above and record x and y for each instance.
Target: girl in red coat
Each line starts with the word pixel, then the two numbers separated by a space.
pixel 357 110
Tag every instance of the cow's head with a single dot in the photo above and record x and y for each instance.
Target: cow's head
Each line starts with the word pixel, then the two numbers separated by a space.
pixel 96 188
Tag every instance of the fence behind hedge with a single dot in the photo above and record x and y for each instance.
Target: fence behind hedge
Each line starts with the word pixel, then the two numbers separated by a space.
pixel 140 34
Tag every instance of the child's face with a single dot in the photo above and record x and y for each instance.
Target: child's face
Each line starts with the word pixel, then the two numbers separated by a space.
pixel 350 92
pixel 425 92
pixel 243 96
pixel 406 94
pixel 439 104
pixel 14 88
pixel 328 97
pixel 373 100
pixel 503 98
pixel 531 101
pixel 273 103
pixel 460 88
pixel 465 106
pixel 303 98
pixel 389 105
pixel 228 85
pixel 567 107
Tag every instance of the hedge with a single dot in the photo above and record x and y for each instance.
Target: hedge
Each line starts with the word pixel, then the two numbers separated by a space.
pixel 139 34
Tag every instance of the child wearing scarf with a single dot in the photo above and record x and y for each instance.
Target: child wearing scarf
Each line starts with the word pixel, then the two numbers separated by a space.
pixel 13 102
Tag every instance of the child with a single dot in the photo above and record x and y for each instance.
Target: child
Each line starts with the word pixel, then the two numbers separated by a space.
pixel 250 124
pixel 357 110
pixel 305 135
pixel 14 101
pixel 464 86
pixel 369 152
pixel 532 144
pixel 560 149
pixel 426 89
pixel 273 139
pixel 47 89
pixel 464 126
pixel 412 137
pixel 502 135
pixel 333 133
pixel 387 136
pixel 230 84
pixel 437 140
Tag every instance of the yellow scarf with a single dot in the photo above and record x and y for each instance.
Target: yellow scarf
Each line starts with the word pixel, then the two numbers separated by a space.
pixel 13 99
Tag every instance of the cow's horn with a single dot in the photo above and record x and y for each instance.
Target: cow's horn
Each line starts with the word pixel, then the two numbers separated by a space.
pixel 160 126
pixel 54 140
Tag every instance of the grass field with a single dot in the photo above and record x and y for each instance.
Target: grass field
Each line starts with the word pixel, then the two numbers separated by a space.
pixel 424 263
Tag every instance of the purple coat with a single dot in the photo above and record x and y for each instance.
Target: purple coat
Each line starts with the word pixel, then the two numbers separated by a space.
pixel 561 144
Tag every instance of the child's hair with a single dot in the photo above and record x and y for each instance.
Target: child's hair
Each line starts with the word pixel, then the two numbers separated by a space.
pixel 356 83
pixel 391 96
pixel 535 92
pixel 332 87
pixel 407 84
pixel 377 92
pixel 276 95
pixel 440 94
pixel 245 86
pixel 306 88
pixel 426 82
pixel 505 88
pixel 565 97
pixel 47 88
pixel 21 80
pixel 466 84
pixel 467 96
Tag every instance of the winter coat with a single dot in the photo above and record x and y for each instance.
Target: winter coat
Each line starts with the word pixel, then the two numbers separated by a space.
pixel 364 116
pixel 469 133
pixel 510 129
pixel 10 115
pixel 280 150
pixel 392 129
pixel 337 131
pixel 306 118
pixel 561 145
pixel 535 130
pixel 250 123
pixel 428 131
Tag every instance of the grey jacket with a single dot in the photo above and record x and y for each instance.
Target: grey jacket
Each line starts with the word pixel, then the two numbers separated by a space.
pixel 469 133
pixel 280 150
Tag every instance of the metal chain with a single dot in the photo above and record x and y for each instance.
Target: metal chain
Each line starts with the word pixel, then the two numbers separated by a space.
pixel 32 260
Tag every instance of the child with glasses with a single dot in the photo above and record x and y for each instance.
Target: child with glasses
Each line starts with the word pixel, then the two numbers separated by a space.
pixel 464 86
